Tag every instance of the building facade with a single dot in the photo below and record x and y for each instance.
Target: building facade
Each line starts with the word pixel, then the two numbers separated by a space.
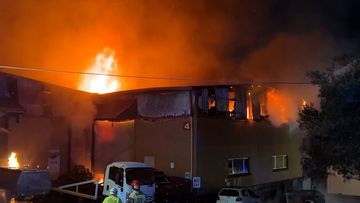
pixel 218 134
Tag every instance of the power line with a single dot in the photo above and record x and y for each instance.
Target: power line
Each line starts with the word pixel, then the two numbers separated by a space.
pixel 230 82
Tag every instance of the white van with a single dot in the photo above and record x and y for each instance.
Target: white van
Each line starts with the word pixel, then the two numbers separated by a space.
pixel 119 175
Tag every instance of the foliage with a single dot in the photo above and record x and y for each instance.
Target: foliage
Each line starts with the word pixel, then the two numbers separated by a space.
pixel 332 139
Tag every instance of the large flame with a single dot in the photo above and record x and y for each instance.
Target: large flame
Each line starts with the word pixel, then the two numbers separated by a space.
pixel 278 107
pixel 249 108
pixel 105 63
pixel 13 163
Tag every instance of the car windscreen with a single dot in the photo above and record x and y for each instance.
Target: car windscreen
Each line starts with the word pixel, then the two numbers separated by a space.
pixel 252 194
pixel 160 177
pixel 229 192
pixel 144 175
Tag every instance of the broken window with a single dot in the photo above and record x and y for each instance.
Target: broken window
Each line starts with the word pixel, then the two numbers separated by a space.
pixel 117 175
pixel 222 99
pixel 241 102
pixel 280 162
pixel 203 100
pixel 231 103
pixel 212 101
pixel 238 166
pixel 245 102
pixel 257 108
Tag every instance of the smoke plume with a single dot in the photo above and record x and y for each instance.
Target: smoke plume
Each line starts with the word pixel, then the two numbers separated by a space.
pixel 214 40
pixel 79 111
pixel 191 39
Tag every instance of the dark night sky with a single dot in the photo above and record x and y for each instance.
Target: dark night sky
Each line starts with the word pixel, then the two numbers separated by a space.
pixel 231 39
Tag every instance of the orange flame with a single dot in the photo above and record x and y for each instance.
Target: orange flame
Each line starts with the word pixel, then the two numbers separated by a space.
pixel 249 108
pixel 12 161
pixel 99 177
pixel 303 102
pixel 231 101
pixel 106 63
pixel 278 105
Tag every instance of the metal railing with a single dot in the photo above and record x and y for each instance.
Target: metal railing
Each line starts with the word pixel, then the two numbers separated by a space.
pixel 66 189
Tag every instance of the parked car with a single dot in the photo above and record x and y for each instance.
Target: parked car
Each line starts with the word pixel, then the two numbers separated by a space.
pixel 171 188
pixel 237 195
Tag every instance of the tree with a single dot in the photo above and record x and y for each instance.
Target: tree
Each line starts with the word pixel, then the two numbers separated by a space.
pixel 332 133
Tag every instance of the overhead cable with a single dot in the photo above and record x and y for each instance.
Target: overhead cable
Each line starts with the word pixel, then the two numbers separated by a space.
pixel 232 82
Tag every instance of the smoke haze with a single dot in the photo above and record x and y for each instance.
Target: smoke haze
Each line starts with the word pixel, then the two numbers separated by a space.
pixel 230 39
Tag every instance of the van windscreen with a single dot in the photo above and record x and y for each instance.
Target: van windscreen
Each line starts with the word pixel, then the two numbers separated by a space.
pixel 144 175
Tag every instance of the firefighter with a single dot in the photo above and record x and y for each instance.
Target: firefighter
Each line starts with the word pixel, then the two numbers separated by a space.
pixel 112 198
pixel 136 196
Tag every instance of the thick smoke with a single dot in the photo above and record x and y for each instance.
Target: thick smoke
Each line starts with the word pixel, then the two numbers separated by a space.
pixel 239 40
pixel 79 111
pixel 286 58
pixel 192 39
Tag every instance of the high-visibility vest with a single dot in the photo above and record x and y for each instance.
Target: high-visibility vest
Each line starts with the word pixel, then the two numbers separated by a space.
pixel 112 199
pixel 137 197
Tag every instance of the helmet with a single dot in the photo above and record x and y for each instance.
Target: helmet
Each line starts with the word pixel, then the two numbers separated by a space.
pixel 135 184
pixel 113 191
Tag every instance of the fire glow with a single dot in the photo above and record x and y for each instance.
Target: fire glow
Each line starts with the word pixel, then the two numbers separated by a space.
pixel 12 161
pixel 102 83
pixel 99 177
pixel 278 105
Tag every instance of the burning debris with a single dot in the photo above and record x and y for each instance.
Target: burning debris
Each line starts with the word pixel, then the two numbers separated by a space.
pixel 12 161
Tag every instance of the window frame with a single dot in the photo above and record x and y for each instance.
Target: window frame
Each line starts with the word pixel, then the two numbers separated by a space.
pixel 245 160
pixel 285 162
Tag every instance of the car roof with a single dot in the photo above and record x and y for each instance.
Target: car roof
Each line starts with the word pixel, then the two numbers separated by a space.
pixel 231 188
pixel 130 165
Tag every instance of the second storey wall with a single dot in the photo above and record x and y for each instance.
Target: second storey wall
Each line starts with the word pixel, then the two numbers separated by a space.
pixel 219 140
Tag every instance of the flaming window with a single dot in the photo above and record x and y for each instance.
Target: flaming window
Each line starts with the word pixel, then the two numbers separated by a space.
pixel 241 102
pixel 231 101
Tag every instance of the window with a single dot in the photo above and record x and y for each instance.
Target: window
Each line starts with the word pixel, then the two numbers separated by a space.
pixel 229 192
pixel 238 166
pixel 144 175
pixel 280 162
pixel 117 175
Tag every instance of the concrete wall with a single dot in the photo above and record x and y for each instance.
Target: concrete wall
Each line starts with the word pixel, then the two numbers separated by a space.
pixel 114 141
pixel 337 185
pixel 221 139
pixel 31 137
pixel 166 141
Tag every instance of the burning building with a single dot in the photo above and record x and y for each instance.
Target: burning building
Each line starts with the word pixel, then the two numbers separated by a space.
pixel 194 131
pixel 201 131
pixel 36 124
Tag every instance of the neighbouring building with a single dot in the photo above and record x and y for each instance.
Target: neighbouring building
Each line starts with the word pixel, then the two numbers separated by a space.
pixel 33 124
pixel 219 135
